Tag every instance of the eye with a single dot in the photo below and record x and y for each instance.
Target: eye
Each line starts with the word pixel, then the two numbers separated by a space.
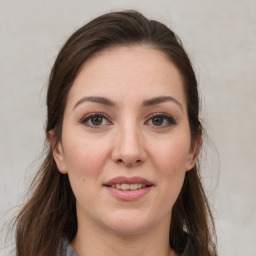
pixel 161 120
pixel 95 120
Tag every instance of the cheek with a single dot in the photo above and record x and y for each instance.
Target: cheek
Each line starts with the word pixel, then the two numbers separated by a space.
pixel 84 162
pixel 172 156
pixel 170 162
pixel 84 156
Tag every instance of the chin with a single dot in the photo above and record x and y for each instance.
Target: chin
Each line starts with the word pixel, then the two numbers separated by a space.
pixel 130 224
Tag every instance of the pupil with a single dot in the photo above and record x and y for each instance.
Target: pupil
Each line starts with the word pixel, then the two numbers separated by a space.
pixel 97 120
pixel 157 121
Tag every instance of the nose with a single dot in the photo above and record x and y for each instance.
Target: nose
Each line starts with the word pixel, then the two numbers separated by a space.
pixel 129 146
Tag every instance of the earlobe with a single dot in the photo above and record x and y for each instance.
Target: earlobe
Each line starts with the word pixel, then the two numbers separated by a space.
pixel 194 152
pixel 58 154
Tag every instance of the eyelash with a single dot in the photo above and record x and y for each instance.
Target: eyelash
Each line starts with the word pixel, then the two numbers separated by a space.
pixel 166 118
pixel 88 118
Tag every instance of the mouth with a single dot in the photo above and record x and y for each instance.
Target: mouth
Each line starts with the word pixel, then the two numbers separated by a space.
pixel 125 186
pixel 128 183
pixel 128 188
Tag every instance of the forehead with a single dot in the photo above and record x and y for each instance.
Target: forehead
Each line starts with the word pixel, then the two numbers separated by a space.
pixel 128 72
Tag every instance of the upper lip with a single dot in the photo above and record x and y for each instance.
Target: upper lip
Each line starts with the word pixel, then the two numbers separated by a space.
pixel 128 180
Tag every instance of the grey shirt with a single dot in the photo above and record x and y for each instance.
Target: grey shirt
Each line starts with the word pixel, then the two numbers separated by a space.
pixel 65 249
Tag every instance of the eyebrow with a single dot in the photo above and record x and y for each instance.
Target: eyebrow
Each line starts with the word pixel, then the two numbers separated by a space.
pixel 95 99
pixel 161 99
pixel 108 102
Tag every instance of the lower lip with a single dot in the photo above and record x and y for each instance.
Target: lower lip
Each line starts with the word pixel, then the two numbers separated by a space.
pixel 129 195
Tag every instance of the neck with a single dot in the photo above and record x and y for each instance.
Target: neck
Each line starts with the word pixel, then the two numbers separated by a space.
pixel 97 241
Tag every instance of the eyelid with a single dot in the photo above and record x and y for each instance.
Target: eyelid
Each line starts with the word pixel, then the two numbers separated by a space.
pixel 170 119
pixel 87 117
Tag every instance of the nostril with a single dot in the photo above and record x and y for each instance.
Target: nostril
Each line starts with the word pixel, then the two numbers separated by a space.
pixel 128 162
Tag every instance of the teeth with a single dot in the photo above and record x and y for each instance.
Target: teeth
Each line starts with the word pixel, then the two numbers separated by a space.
pixel 129 186
pixel 133 186
pixel 125 186
pixel 119 186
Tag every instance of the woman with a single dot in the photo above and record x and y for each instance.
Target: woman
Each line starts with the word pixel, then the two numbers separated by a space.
pixel 120 175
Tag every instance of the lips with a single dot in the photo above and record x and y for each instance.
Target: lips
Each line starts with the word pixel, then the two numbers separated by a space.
pixel 128 189
pixel 126 180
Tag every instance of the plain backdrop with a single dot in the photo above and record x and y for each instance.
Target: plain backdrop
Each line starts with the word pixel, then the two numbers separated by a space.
pixel 220 37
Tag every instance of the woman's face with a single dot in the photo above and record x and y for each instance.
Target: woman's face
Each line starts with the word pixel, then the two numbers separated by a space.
pixel 126 139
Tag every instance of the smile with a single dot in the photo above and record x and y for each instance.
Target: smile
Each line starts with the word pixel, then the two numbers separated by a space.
pixel 129 186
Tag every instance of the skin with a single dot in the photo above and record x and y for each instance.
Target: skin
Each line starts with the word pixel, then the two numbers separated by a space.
pixel 130 139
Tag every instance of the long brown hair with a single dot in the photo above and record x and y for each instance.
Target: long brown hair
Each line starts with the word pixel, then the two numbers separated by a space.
pixel 51 210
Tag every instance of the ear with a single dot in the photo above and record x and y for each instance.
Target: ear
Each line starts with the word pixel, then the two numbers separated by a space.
pixel 58 153
pixel 194 152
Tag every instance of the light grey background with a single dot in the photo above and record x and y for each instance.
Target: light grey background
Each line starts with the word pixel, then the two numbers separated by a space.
pixel 220 37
